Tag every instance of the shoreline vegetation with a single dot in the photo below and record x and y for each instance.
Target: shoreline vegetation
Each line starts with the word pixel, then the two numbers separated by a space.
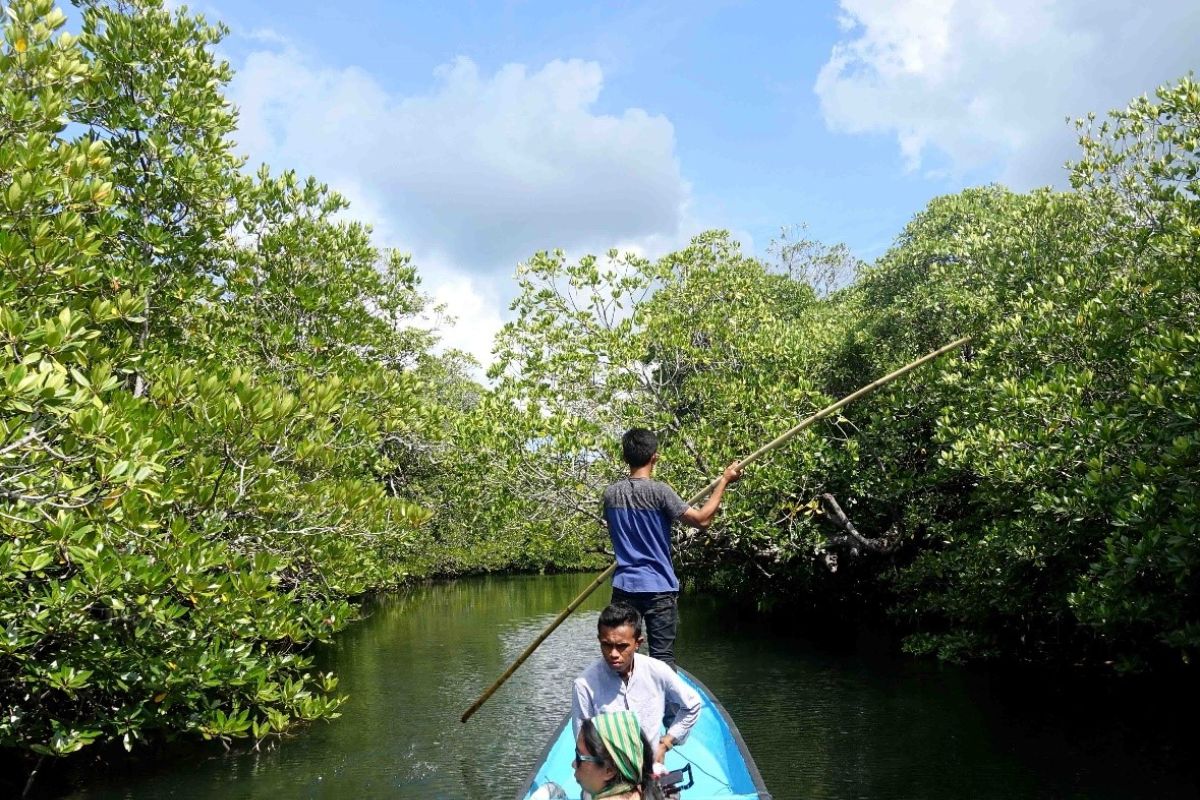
pixel 221 423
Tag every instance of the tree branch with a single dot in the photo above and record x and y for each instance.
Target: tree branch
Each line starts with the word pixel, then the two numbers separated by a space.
pixel 833 512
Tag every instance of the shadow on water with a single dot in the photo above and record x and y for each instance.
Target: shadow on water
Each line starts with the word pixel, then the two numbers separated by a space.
pixel 822 720
pixel 850 718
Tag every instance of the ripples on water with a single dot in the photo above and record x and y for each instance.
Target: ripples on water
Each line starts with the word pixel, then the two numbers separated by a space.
pixel 821 722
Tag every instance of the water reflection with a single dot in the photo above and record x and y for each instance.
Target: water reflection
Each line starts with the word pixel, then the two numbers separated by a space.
pixel 822 722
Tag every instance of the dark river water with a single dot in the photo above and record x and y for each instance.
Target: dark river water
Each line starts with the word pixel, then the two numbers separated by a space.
pixel 823 721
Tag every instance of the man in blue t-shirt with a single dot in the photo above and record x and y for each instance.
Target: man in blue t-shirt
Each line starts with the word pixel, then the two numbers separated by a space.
pixel 639 511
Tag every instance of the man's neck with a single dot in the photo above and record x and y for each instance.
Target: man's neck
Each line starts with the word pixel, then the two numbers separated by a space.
pixel 625 675
pixel 645 471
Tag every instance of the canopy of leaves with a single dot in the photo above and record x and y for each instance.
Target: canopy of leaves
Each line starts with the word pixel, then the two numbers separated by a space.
pixel 215 408
pixel 1033 496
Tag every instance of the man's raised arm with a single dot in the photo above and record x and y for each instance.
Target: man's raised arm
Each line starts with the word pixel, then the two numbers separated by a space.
pixel 700 517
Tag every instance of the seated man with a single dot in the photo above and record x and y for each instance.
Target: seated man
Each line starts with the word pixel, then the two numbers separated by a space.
pixel 625 680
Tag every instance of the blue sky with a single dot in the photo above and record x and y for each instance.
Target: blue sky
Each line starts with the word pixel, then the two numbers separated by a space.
pixel 473 134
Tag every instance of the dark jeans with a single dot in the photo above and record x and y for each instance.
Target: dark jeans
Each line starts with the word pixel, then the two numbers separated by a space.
pixel 660 610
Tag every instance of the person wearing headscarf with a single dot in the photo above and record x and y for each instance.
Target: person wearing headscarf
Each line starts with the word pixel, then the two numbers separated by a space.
pixel 613 759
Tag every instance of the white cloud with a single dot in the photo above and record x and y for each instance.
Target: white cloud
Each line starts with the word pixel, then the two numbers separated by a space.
pixel 473 176
pixel 473 302
pixel 986 84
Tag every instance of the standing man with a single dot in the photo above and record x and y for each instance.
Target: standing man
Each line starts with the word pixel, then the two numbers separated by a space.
pixel 623 679
pixel 639 511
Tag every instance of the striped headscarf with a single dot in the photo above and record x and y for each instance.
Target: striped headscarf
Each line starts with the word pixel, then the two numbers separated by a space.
pixel 622 737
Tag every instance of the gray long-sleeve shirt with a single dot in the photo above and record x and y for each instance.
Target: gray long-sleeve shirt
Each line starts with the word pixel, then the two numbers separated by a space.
pixel 652 685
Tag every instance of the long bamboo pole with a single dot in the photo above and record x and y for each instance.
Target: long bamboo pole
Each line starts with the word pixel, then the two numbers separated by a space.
pixel 778 441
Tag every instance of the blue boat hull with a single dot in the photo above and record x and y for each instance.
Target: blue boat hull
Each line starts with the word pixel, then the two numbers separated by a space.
pixel 721 766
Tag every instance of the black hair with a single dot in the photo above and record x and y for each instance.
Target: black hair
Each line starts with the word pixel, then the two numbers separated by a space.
pixel 650 790
pixel 638 446
pixel 620 613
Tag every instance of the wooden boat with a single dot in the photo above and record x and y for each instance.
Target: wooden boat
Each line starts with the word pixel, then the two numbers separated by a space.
pixel 713 762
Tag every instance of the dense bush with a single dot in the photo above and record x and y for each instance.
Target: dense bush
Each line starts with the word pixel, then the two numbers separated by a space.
pixel 209 394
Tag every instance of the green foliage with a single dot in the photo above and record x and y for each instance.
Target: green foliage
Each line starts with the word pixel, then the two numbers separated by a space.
pixel 1033 496
pixel 209 390
pixel 1077 422
pixel 220 426
pixel 693 346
